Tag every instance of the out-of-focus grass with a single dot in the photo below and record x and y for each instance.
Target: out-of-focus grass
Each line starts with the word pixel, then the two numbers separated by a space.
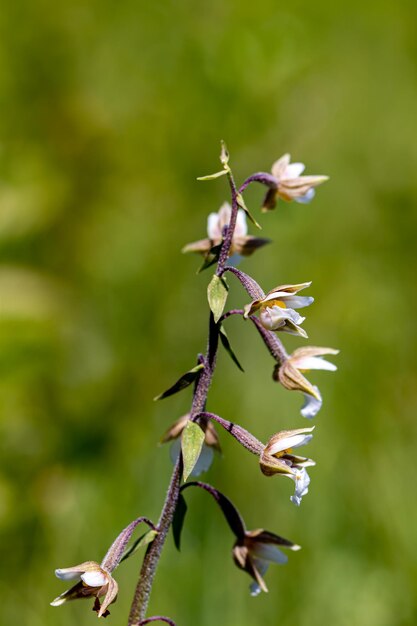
pixel 109 113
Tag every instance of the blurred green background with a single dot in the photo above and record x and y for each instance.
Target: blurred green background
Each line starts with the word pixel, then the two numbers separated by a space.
pixel 109 112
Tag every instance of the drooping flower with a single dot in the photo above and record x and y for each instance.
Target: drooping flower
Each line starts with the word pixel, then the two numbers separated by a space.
pixel 290 376
pixel 93 582
pixel 211 443
pixel 277 309
pixel 289 184
pixel 255 550
pixel 277 458
pixel 242 243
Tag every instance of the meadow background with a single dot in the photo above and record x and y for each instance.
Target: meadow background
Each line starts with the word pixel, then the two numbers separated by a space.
pixel 109 112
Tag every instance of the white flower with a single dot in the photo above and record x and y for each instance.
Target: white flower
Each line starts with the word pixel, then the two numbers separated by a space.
pixel 277 309
pixel 93 581
pixel 290 376
pixel 277 458
pixel 242 243
pixel 289 184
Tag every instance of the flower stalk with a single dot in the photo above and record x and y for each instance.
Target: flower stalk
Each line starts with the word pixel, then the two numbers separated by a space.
pixel 194 434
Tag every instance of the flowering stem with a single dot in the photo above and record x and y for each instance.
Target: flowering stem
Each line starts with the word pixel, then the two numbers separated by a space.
pixel 227 242
pixel 150 562
pixel 153 553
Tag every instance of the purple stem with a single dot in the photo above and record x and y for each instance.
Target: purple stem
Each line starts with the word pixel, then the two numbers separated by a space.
pixel 153 553
pixel 227 241
pixel 232 515
pixel 117 548
pixel 250 285
pixel 271 341
pixel 156 618
pixel 260 177
pixel 244 437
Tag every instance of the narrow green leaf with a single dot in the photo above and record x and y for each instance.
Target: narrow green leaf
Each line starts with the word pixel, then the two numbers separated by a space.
pixel 143 540
pixel 178 521
pixel 226 345
pixel 191 443
pixel 215 175
pixel 217 296
pixel 243 206
pixel 186 379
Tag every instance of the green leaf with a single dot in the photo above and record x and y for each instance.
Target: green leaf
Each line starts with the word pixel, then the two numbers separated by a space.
pixel 178 520
pixel 241 203
pixel 217 296
pixel 143 540
pixel 226 345
pixel 215 175
pixel 183 382
pixel 191 443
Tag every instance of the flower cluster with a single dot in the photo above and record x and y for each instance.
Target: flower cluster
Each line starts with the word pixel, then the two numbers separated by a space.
pixel 193 436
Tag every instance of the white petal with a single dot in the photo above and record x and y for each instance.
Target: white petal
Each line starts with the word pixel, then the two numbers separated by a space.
pixel 255 589
pixel 275 317
pixel 58 601
pixel 94 579
pixel 314 363
pixel 241 226
pixel 225 213
pixel 302 481
pixel 280 166
pixel 294 170
pixel 204 460
pixel 294 441
pixel 297 302
pixel 64 574
pixel 213 229
pixel 269 552
pixel 307 197
pixel 311 405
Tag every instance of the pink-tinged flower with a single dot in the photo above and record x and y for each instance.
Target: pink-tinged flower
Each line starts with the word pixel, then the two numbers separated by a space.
pixel 277 309
pixel 290 376
pixel 289 184
pixel 277 458
pixel 211 443
pixel 93 582
pixel 255 550
pixel 242 243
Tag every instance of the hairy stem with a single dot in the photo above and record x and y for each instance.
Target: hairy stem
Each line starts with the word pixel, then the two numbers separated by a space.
pixel 150 562
pixel 153 553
